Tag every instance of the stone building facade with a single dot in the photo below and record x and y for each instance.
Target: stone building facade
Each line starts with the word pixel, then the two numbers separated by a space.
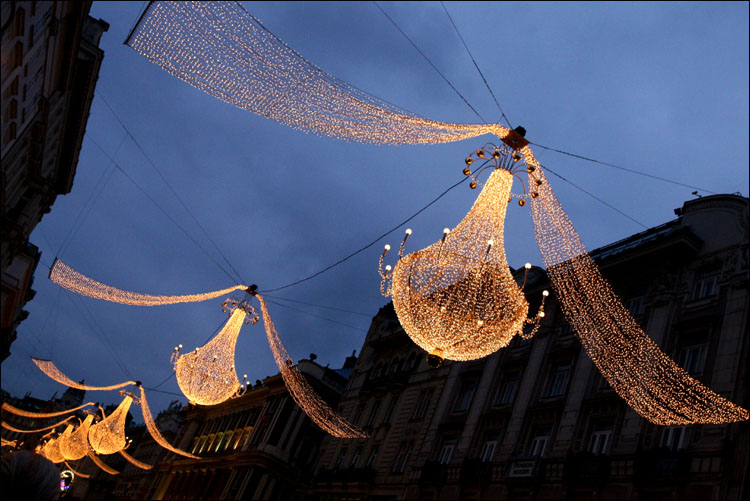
pixel 259 446
pixel 50 64
pixel 535 420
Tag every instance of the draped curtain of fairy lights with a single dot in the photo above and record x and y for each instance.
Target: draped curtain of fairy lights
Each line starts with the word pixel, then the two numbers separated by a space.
pixel 222 49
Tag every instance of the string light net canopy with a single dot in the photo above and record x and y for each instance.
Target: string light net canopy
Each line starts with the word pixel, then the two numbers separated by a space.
pixel 207 375
pixel 10 427
pixel 76 445
pixel 457 298
pixel 303 394
pixel 134 461
pixel 635 367
pixel 101 464
pixel 68 278
pixel 223 50
pixel 20 412
pixel 108 435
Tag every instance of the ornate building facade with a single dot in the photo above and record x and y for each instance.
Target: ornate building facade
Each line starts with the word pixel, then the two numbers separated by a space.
pixel 536 420
pixel 50 64
pixel 259 446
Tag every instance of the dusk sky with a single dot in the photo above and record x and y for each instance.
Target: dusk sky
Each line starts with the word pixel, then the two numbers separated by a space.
pixel 656 87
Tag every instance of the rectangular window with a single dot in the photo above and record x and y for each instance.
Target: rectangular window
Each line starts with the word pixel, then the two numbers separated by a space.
pixel 673 437
pixel 692 358
pixel 355 457
pixel 373 413
pixel 358 414
pixel 423 403
pixel 636 306
pixel 373 456
pixel 464 397
pixel 507 390
pixel 706 284
pixel 540 439
pixel 391 408
pixel 558 380
pixel 601 437
pixel 446 451
pixel 340 459
pixel 403 457
pixel 489 446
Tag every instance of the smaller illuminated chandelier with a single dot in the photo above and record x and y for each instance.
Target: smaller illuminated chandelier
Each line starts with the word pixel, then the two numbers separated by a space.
pixel 207 375
pixel 457 298
pixel 108 435
pixel 76 444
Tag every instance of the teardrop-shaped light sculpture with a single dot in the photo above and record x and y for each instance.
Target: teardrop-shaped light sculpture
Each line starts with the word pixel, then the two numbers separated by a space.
pixel 76 444
pixel 457 298
pixel 207 375
pixel 51 450
pixel 108 435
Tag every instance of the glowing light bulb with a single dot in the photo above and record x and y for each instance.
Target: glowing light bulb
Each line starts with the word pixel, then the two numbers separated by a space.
pixel 527 266
pixel 387 247
pixel 408 231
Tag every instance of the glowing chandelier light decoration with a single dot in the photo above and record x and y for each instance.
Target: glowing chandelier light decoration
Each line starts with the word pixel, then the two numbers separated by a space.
pixel 207 375
pixel 76 444
pixel 108 435
pixel 221 49
pixel 53 372
pixel 457 298
pixel 68 278
pixel 51 450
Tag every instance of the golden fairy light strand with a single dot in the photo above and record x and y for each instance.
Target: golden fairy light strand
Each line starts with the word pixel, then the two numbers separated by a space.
pixel 76 444
pixel 108 435
pixel 20 412
pixel 51 371
pixel 635 367
pixel 134 461
pixel 457 298
pixel 301 391
pixel 221 49
pixel 101 464
pixel 9 443
pixel 207 375
pixel 148 419
pixel 65 276
pixel 75 472
pixel 50 427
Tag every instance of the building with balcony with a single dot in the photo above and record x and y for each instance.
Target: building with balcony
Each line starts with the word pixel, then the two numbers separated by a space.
pixel 536 420
pixel 50 65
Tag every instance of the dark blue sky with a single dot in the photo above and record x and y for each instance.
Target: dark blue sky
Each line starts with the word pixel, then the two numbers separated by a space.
pixel 658 87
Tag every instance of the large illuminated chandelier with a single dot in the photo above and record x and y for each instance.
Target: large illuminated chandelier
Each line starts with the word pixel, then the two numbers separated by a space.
pixel 221 49
pixel 207 375
pixel 457 298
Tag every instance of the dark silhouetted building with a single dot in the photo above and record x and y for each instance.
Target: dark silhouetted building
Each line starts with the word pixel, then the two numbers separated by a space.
pixel 50 64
